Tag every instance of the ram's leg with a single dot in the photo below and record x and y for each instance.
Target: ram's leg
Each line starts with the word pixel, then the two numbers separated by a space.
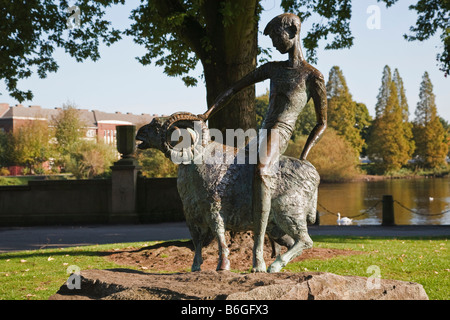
pixel 218 227
pixel 224 263
pixel 200 237
pixel 278 238
pixel 302 241
pixel 197 239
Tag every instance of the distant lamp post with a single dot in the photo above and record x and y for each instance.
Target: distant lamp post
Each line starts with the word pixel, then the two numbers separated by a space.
pixel 126 144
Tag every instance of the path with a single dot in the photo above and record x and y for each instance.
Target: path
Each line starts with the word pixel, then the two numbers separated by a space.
pixel 32 238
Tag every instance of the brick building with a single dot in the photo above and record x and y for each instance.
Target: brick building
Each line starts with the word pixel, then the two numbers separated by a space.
pixel 99 125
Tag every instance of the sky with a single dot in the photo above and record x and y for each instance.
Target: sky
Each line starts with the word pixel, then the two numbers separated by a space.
pixel 118 82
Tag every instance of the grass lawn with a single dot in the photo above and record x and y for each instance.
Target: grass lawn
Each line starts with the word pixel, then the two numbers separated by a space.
pixel 36 275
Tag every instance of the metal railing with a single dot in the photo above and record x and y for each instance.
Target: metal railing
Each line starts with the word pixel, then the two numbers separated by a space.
pixel 387 210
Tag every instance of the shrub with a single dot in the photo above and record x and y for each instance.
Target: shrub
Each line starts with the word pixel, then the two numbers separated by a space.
pixel 333 157
pixel 4 172
pixel 155 165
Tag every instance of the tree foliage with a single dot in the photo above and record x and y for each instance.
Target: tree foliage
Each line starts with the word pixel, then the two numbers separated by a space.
pixel 342 110
pixel 30 146
pixel 30 31
pixel 89 159
pixel 429 133
pixel 178 34
pixel 390 143
pixel 68 127
pixel 333 156
pixel 155 165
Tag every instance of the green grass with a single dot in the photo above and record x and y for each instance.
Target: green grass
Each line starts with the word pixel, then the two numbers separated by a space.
pixel 38 274
pixel 425 261
pixel 23 180
pixel 15 181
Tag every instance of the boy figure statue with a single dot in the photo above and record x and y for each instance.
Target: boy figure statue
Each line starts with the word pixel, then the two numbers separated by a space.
pixel 292 84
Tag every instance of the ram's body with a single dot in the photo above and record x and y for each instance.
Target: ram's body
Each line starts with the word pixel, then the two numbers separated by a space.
pixel 217 196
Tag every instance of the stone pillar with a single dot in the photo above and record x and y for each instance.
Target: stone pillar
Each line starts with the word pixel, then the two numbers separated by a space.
pixel 124 178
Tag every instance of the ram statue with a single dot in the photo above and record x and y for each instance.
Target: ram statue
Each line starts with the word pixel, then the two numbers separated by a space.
pixel 217 195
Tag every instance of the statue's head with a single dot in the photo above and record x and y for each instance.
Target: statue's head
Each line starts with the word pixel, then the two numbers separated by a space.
pixel 150 135
pixel 284 30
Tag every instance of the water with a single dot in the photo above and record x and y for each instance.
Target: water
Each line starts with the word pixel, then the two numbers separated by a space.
pixel 426 197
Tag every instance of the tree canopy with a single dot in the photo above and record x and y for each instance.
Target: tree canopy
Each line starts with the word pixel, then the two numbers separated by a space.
pixel 177 33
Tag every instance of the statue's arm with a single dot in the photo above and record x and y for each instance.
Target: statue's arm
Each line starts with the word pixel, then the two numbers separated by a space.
pixel 318 93
pixel 258 75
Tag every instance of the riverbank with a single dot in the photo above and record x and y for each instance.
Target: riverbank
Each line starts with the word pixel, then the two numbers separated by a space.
pixel 368 177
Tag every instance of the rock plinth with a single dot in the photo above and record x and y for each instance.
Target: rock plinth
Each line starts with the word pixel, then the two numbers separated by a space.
pixel 125 284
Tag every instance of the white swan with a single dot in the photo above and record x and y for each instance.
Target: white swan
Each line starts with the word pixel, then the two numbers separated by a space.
pixel 343 221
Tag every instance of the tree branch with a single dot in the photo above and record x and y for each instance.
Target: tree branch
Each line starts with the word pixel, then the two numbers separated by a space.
pixel 190 30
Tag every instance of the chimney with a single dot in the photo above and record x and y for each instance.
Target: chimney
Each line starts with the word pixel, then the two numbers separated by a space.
pixel 4 107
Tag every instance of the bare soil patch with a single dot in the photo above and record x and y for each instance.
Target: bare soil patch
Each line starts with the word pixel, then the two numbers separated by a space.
pixel 177 256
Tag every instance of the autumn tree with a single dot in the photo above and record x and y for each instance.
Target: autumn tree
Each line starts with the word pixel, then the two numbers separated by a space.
pixel 429 133
pixel 388 145
pixel 403 104
pixel 342 109
pixel 68 127
pixel 30 146
pixel 363 124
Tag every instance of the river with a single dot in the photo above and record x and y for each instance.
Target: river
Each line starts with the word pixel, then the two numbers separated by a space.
pixel 417 201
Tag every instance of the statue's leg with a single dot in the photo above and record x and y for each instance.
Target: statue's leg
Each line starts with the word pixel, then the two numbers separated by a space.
pixel 265 173
pixel 261 209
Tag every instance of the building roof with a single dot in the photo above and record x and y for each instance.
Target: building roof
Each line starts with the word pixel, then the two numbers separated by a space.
pixel 90 118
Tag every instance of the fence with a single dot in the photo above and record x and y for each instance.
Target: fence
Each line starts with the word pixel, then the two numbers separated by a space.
pixel 85 202
pixel 388 216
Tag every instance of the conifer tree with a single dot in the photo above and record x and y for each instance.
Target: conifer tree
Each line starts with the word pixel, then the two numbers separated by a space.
pixel 403 103
pixel 384 92
pixel 429 133
pixel 388 145
pixel 342 109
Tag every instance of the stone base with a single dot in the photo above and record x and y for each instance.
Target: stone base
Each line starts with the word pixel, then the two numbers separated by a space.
pixel 125 284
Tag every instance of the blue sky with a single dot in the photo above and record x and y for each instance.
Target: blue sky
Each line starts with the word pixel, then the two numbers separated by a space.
pixel 117 82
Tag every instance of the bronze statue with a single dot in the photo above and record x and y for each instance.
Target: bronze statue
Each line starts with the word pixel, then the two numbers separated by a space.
pixel 278 194
pixel 217 195
pixel 292 84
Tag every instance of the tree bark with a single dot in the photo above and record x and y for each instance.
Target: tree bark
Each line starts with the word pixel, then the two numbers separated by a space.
pixel 234 56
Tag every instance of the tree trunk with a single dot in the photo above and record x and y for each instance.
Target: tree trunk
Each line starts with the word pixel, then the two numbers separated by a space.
pixel 236 48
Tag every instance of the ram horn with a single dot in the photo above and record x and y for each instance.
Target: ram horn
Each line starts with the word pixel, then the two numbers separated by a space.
pixel 183 117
